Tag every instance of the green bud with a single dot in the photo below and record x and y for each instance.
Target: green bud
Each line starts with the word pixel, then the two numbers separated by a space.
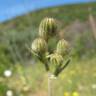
pixel 47 28
pixel 39 46
pixel 56 58
pixel 62 47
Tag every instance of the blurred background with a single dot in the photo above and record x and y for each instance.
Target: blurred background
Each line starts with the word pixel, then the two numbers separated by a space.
pixel 20 73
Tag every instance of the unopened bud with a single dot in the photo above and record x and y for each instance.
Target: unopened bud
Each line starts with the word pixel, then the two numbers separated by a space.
pixel 47 28
pixel 56 58
pixel 62 47
pixel 39 46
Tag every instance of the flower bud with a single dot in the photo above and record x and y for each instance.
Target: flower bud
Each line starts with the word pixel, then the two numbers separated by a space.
pixel 62 47
pixel 39 46
pixel 47 28
pixel 56 58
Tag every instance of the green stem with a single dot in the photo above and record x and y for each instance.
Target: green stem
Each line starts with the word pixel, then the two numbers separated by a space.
pixel 45 64
pixel 60 69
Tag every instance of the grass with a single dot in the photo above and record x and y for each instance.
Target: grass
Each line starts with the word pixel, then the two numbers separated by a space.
pixel 79 78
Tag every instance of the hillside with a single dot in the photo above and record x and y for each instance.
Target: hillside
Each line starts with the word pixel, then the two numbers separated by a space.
pixel 15 34
pixel 66 14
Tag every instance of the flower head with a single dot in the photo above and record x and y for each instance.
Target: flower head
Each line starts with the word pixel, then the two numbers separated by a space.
pixel 62 47
pixel 56 58
pixel 66 94
pixel 7 73
pixel 75 94
pixel 9 93
pixel 39 46
pixel 47 28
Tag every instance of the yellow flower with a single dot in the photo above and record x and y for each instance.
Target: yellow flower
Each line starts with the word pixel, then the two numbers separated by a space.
pixel 75 94
pixel 66 94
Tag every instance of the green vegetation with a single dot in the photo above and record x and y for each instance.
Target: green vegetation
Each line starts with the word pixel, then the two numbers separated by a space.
pixel 66 14
pixel 80 77
pixel 16 35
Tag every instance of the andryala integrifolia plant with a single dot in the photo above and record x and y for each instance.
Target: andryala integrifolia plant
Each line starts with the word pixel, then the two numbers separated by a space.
pixel 56 59
pixel 39 46
pixel 48 29
pixel 40 49
pixel 62 47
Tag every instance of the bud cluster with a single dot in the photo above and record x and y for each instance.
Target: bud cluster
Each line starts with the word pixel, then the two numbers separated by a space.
pixel 48 29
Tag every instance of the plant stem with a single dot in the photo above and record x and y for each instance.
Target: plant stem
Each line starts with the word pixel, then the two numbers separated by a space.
pixel 51 77
pixel 59 70
pixel 49 85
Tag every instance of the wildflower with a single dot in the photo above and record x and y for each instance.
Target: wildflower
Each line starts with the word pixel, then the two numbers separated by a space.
pixel 9 93
pixel 93 86
pixel 7 73
pixel 75 94
pixel 66 94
